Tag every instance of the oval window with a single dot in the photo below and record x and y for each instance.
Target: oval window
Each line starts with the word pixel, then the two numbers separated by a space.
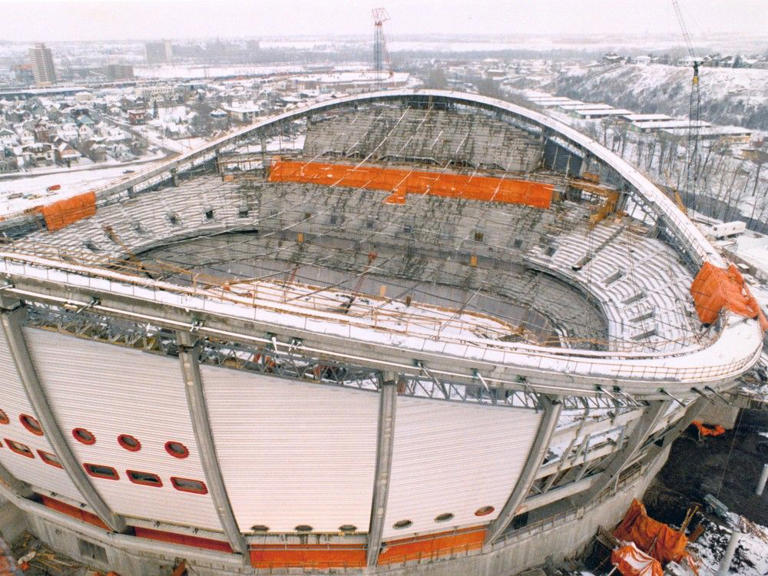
pixel 484 511
pixel 176 449
pixel 19 448
pixel 303 528
pixel 347 528
pixel 129 442
pixel 50 459
pixel 101 471
pixel 144 478
pixel 189 485
pixel 84 436
pixel 259 528
pixel 400 524
pixel 444 517
pixel 4 417
pixel 31 424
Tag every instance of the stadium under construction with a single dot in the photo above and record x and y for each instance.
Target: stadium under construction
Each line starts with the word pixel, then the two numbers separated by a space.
pixel 415 332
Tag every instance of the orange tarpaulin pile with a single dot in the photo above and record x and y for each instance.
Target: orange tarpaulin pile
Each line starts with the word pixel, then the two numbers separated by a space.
pixel 633 562
pixel 705 430
pixel 402 182
pixel 651 536
pixel 714 289
pixel 64 212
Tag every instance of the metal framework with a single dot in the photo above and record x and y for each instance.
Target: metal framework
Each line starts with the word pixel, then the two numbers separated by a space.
pixel 384 450
pixel 10 320
pixel 552 408
pixel 620 460
pixel 193 388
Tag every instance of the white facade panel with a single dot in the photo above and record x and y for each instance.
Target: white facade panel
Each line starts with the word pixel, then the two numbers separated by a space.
pixel 110 390
pixel 454 458
pixel 14 402
pixel 293 453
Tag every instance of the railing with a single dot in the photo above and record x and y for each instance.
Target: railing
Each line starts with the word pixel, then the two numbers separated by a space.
pixel 585 364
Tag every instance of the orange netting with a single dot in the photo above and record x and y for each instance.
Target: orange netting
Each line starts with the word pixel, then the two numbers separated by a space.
pixel 64 212
pixel 651 536
pixel 633 562
pixel 705 430
pixel 714 289
pixel 403 182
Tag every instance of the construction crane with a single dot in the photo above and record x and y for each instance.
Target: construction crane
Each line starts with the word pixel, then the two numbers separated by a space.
pixel 380 54
pixel 694 108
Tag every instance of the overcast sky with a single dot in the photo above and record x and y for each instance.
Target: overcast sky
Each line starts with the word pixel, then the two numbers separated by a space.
pixel 51 20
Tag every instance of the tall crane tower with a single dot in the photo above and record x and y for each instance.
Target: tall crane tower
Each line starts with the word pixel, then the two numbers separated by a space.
pixel 380 54
pixel 694 109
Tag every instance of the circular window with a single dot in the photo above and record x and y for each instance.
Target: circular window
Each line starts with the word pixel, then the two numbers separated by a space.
pixel 259 528
pixel 347 528
pixel 31 424
pixel 484 511
pixel 129 442
pixel 176 449
pixel 400 524
pixel 3 417
pixel 84 436
pixel 444 517
pixel 303 528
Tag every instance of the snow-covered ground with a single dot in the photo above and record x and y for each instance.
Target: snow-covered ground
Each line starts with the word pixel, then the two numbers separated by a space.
pixel 750 559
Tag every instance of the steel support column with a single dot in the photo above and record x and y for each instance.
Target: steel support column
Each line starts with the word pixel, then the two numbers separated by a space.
pixel 552 409
pixel 193 389
pixel 384 450
pixel 621 459
pixel 691 413
pixel 17 345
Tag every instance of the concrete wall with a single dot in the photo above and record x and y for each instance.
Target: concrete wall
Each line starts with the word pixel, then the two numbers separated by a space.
pixel 521 551
pixel 12 521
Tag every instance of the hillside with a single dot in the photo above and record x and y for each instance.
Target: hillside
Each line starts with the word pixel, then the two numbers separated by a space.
pixel 729 96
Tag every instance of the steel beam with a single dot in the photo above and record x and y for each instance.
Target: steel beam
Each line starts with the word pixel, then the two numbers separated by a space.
pixel 552 409
pixel 384 450
pixel 458 369
pixel 621 459
pixel 17 345
pixel 201 424
pixel 692 412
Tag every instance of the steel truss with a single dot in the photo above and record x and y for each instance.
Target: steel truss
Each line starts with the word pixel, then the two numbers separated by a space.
pixel 287 360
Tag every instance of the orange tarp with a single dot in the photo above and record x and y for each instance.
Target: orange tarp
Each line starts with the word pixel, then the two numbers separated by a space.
pixel 651 536
pixel 431 546
pixel 705 430
pixel 402 182
pixel 714 289
pixel 633 562
pixel 316 557
pixel 64 212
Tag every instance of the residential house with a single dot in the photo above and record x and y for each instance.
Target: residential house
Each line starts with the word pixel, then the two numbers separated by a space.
pixel 8 138
pixel 65 154
pixel 38 154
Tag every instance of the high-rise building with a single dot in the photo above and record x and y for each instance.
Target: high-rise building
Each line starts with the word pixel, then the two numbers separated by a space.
pixel 42 65
pixel 118 72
